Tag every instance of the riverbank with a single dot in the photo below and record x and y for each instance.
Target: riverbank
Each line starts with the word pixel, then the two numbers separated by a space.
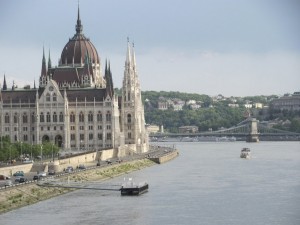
pixel 13 198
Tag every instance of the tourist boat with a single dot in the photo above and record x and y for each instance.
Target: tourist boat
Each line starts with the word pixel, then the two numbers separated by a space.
pixel 245 153
pixel 131 188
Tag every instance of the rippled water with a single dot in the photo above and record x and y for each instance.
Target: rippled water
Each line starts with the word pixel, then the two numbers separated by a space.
pixel 207 184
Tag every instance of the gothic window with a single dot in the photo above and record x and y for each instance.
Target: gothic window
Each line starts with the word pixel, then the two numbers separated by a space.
pixel 91 136
pixel 47 97
pixel 32 118
pixel 129 118
pixel 100 137
pixel 128 98
pixel 108 136
pixel 90 117
pixel 54 98
pixel 33 137
pixel 54 117
pixel 42 118
pixel 72 117
pixel 6 119
pixel 72 137
pixel 81 117
pixel 16 118
pixel 129 135
pixel 48 117
pixel 16 138
pixel 25 137
pixel 61 117
pixel 108 116
pixel 99 117
pixel 25 118
pixel 81 138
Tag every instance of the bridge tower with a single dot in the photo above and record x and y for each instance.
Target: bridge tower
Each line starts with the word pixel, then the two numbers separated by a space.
pixel 253 134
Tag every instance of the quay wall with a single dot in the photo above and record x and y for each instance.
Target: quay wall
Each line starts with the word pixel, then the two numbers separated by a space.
pixel 9 171
pixel 165 157
pixel 60 164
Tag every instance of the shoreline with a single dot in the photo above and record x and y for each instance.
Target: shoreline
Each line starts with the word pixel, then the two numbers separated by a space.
pixel 14 198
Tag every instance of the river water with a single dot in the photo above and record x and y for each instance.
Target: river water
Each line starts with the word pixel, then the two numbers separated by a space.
pixel 207 184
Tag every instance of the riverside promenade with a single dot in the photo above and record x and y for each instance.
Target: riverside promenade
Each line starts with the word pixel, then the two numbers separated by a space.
pixel 20 195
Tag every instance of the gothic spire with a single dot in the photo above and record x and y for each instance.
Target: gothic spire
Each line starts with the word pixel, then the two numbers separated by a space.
pixel 78 25
pixel 109 82
pixel 44 68
pixel 4 84
pixel 133 57
pixel 49 61
pixel 128 55
pixel 34 87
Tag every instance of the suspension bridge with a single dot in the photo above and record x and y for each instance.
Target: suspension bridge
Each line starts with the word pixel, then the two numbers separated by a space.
pixel 250 130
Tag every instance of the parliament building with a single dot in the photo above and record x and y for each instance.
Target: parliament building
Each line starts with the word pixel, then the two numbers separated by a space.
pixel 75 106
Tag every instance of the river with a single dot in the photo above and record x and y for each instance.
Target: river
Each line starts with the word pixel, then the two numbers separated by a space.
pixel 207 184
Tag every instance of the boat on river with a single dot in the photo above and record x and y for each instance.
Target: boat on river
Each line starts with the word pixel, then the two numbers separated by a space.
pixel 245 153
pixel 131 188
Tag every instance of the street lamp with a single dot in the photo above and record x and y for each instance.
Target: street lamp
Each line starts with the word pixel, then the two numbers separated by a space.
pixel 52 153
pixel 21 153
pixel 9 154
pixel 41 153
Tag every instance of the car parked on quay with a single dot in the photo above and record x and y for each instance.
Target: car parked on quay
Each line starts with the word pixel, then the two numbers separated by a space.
pixel 19 174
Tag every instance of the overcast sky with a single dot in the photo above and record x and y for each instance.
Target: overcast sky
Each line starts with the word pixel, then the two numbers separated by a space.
pixel 229 47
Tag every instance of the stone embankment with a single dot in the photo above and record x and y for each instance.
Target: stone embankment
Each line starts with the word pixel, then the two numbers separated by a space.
pixel 30 193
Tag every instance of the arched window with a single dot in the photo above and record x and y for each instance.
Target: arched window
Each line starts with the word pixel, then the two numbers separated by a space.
pixel 108 116
pixel 99 117
pixel 32 118
pixel 47 97
pixel 16 118
pixel 54 98
pixel 81 117
pixel 48 118
pixel 25 118
pixel 90 117
pixel 128 98
pixel 72 117
pixel 54 117
pixel 6 118
pixel 61 117
pixel 129 135
pixel 42 118
pixel 129 118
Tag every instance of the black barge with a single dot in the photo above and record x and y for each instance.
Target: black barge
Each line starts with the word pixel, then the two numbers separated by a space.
pixel 134 189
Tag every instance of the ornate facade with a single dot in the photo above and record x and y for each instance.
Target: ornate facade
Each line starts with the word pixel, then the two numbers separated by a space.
pixel 75 106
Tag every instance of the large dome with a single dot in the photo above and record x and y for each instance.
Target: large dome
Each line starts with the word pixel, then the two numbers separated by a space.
pixel 78 48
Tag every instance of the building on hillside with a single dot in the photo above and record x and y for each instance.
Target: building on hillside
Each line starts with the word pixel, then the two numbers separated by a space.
pixel 287 102
pixel 74 106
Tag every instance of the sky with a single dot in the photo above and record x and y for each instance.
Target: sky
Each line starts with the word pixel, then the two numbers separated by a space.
pixel 228 47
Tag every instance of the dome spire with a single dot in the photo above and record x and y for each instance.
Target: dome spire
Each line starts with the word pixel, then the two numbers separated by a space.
pixel 78 25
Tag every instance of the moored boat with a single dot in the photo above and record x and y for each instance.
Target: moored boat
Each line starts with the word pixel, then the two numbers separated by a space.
pixel 131 188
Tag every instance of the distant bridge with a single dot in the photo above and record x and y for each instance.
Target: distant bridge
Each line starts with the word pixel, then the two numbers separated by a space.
pixel 250 129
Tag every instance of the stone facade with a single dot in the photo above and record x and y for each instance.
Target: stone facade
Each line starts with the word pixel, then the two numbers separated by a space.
pixel 75 107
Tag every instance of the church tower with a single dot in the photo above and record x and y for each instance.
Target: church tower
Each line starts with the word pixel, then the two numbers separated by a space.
pixel 133 119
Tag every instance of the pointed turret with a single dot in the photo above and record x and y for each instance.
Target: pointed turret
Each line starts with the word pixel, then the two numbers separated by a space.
pixel 49 61
pixel 4 84
pixel 44 67
pixel 109 82
pixel 133 57
pixel 78 25
pixel 128 55
pixel 34 87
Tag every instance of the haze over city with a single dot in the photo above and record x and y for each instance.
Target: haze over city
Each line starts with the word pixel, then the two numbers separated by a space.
pixel 234 48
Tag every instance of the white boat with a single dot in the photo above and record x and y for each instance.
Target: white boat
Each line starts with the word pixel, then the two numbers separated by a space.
pixel 245 153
